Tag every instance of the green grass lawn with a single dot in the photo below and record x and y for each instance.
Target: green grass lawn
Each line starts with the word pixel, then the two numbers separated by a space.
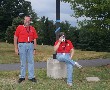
pixel 44 52
pixel 8 80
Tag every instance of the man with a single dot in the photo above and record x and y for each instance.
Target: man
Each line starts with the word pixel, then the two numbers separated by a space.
pixel 25 45
pixel 65 52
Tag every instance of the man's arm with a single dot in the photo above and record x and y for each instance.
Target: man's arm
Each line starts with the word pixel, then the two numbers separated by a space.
pixel 35 43
pixel 72 53
pixel 15 44
pixel 56 46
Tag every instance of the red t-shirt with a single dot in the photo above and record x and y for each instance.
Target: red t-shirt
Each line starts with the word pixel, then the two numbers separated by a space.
pixel 25 34
pixel 64 47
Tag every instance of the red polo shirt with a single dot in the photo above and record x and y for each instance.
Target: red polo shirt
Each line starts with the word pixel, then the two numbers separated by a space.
pixel 25 34
pixel 64 47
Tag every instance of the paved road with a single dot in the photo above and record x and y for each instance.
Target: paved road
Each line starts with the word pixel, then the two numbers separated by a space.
pixel 84 63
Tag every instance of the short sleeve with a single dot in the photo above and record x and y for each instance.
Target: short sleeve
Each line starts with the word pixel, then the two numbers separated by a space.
pixel 35 33
pixel 70 43
pixel 17 31
pixel 56 43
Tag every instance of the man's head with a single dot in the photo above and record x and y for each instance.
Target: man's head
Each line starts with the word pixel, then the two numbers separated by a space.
pixel 62 35
pixel 27 20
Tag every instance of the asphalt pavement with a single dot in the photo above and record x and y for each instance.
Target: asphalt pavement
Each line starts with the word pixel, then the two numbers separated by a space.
pixel 84 63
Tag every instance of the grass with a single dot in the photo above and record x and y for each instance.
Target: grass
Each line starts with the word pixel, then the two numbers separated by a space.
pixel 8 80
pixel 44 52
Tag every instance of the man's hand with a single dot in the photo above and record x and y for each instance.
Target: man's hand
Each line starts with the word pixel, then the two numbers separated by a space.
pixel 34 52
pixel 72 53
pixel 60 39
pixel 16 51
pixel 15 44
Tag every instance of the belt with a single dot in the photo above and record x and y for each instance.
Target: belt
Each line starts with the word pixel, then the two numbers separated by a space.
pixel 27 42
pixel 63 53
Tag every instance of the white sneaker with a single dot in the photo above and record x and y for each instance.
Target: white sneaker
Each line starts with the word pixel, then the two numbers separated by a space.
pixel 78 65
pixel 70 84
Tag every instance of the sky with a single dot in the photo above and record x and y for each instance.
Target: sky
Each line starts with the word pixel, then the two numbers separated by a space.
pixel 47 8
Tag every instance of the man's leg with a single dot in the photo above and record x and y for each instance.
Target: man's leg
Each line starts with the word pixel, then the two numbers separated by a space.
pixel 65 58
pixel 22 54
pixel 69 73
pixel 30 59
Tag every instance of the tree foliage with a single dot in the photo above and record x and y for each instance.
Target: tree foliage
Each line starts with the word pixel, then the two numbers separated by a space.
pixel 95 31
pixel 46 31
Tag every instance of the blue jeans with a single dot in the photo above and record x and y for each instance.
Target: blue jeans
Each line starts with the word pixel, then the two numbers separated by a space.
pixel 26 53
pixel 70 63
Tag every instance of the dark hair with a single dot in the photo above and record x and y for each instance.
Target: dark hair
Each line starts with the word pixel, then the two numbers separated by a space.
pixel 61 34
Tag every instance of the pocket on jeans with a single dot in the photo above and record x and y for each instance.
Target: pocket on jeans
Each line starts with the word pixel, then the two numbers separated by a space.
pixel 20 45
pixel 20 48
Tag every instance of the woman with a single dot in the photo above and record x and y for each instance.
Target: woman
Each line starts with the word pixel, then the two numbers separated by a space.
pixel 65 51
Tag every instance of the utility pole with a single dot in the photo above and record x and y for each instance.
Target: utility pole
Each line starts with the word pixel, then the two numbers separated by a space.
pixel 57 19
pixel 57 31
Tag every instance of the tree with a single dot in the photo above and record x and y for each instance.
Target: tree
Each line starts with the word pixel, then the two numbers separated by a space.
pixel 96 10
pixel 46 31
pixel 97 28
pixel 65 25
